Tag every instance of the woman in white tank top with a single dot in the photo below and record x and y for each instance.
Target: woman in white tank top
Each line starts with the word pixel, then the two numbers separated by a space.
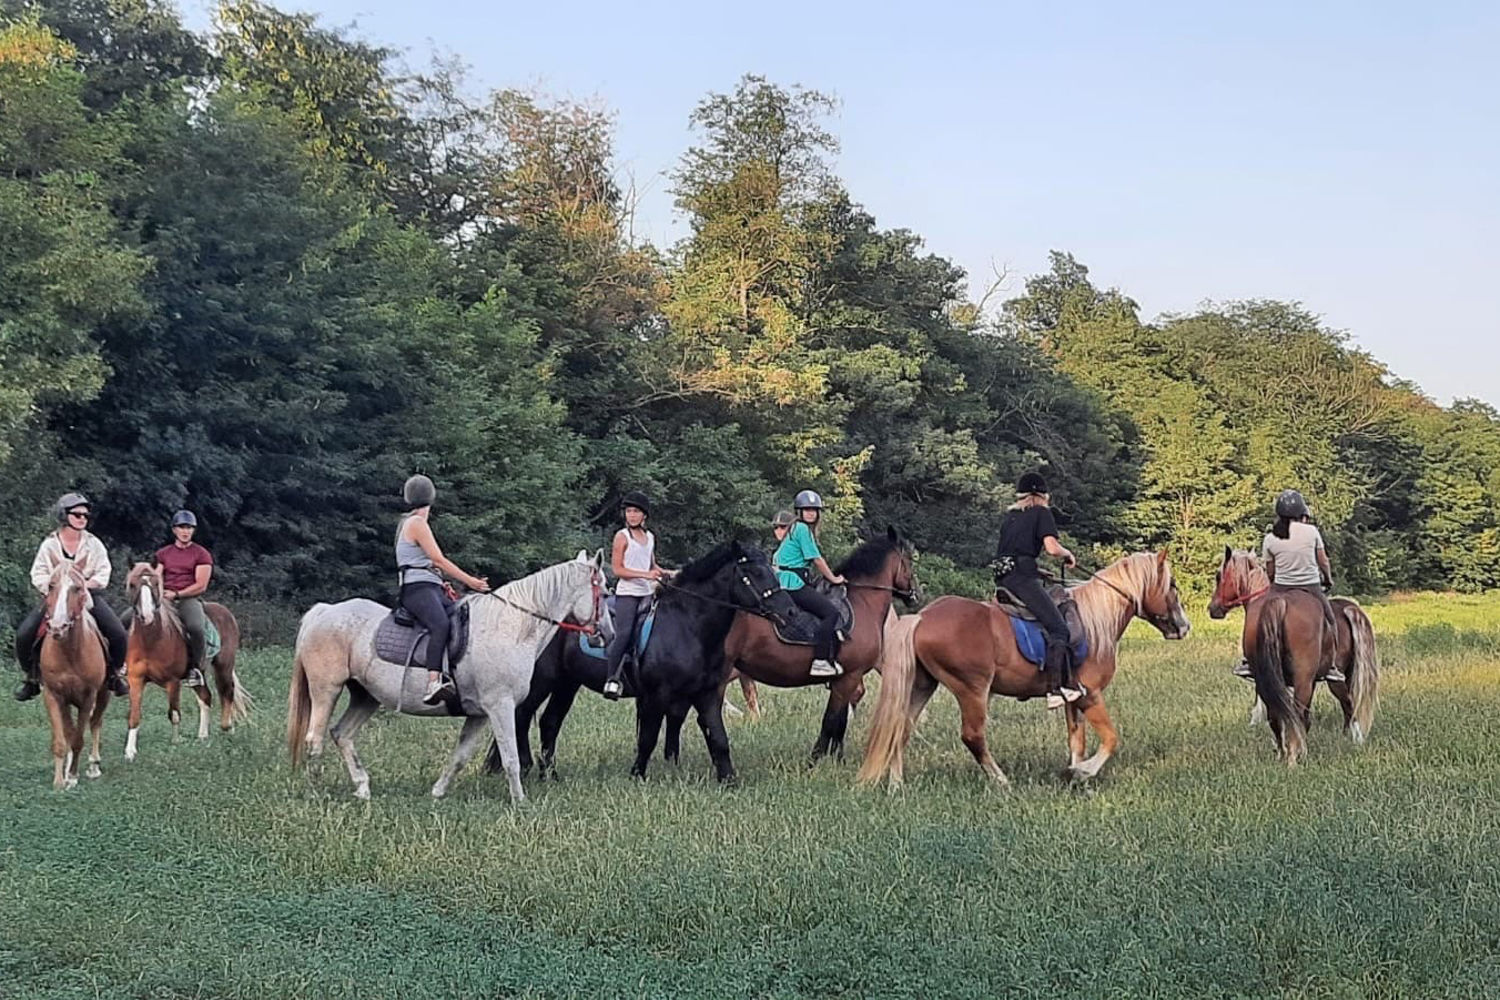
pixel 633 559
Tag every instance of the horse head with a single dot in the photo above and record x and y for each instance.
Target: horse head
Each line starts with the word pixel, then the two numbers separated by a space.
pixel 587 608
pixel 67 597
pixel 904 574
pixel 1149 582
pixel 1239 579
pixel 143 588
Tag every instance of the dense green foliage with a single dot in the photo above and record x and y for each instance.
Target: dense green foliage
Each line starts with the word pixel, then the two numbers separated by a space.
pixel 266 273
pixel 1197 866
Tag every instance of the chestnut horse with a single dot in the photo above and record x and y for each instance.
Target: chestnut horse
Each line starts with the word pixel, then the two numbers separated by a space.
pixel 1296 658
pixel 156 653
pixel 970 648
pixel 877 571
pixel 73 659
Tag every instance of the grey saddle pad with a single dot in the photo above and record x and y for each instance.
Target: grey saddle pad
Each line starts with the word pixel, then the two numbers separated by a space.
pixel 398 642
pixel 798 630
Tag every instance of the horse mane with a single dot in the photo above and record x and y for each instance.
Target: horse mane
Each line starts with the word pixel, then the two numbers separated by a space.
pixel 527 592
pixel 171 621
pixel 84 620
pixel 869 559
pixel 1135 574
pixel 1248 564
pixel 702 569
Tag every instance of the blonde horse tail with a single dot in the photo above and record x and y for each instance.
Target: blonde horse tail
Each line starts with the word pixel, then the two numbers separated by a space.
pixel 1268 665
pixel 889 727
pixel 298 711
pixel 1364 674
pixel 243 701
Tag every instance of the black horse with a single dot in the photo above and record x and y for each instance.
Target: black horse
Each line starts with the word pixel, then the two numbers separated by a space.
pixel 683 664
pixel 733 577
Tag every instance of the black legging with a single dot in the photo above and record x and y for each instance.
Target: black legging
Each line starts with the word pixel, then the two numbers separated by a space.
pixel 104 617
pixel 628 608
pixel 825 642
pixel 1028 589
pixel 429 603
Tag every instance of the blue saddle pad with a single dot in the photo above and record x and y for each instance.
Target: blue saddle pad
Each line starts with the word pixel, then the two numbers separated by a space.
pixel 642 637
pixel 1032 642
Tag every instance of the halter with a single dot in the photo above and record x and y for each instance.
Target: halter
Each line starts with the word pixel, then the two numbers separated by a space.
pixel 1244 599
pixel 760 596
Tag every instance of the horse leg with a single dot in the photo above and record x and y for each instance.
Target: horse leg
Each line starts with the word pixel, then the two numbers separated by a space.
pixel 96 731
pixel 842 694
pixel 525 712
pixel 469 739
pixel 1257 712
pixel 672 749
pixel 361 707
pixel 752 697
pixel 974 707
pixel 75 738
pixel 710 708
pixel 558 707
pixel 503 721
pixel 133 719
pixel 1077 737
pixel 57 716
pixel 204 701
pixel 1109 738
pixel 1340 690
pixel 648 716
pixel 174 709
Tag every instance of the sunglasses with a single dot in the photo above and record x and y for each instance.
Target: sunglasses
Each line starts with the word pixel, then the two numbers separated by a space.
pixel 80 513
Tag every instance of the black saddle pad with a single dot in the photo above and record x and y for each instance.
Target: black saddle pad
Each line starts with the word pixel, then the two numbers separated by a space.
pixel 799 629
pixel 406 644
pixel 1060 596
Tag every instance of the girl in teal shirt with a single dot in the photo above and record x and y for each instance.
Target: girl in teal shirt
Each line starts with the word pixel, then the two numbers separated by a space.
pixel 797 558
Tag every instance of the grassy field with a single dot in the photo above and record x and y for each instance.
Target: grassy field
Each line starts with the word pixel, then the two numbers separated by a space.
pixel 1196 866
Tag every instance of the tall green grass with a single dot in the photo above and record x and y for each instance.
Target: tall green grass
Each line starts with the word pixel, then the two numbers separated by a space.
pixel 1196 866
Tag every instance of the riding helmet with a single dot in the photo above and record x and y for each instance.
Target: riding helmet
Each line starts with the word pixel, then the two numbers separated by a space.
pixel 1031 482
pixel 783 519
pixel 1290 505
pixel 419 491
pixel 184 517
pixel 638 500
pixel 808 500
pixel 67 502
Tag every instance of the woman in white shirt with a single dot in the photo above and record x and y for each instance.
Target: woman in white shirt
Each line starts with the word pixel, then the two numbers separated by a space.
pixel 633 559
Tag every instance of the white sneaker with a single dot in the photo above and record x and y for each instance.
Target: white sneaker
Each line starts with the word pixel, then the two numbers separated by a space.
pixel 1242 669
pixel 1074 693
pixel 437 688
pixel 194 678
pixel 1054 702
pixel 823 668
pixel 613 690
pixel 1335 675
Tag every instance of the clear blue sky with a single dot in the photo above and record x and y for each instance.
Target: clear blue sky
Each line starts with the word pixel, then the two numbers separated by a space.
pixel 1346 155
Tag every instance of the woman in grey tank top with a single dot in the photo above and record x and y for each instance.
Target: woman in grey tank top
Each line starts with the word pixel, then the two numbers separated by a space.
pixel 420 565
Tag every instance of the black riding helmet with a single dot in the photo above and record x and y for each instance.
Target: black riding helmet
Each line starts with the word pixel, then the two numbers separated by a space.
pixel 638 500
pixel 1031 482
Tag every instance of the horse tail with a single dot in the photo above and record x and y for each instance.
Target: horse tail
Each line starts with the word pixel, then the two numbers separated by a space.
pixel 298 711
pixel 1268 666
pixel 1364 673
pixel 243 701
pixel 889 727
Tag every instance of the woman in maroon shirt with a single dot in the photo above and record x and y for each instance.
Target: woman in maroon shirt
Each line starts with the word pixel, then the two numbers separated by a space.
pixel 185 570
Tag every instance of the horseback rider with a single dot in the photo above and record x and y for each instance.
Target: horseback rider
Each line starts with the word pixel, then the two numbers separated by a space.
pixel 781 524
pixel 71 541
pixel 420 566
pixel 185 570
pixel 633 560
pixel 796 558
pixel 1028 529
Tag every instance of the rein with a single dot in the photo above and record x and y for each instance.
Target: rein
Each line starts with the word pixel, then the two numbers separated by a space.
pixel 592 628
pixel 759 610
pixel 905 595
pixel 1245 599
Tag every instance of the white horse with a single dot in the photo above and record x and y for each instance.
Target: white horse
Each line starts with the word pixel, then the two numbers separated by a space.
pixel 507 631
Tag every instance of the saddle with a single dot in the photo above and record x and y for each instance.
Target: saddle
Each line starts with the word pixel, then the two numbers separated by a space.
pixel 643 626
pixel 400 639
pixel 800 627
pixel 1031 639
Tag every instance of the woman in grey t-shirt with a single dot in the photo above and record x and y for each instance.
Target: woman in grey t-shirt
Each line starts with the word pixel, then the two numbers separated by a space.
pixel 1294 554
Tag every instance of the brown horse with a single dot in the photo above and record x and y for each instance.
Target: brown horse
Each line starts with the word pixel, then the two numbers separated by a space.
pixel 73 659
pixel 970 648
pixel 877 571
pixel 157 653
pixel 1304 660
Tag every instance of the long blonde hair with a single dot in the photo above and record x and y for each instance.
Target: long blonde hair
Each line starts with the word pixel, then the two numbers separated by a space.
pixel 1024 500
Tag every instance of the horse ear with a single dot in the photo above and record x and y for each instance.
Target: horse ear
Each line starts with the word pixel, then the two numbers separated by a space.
pixel 1161 560
pixel 1228 553
pixel 893 534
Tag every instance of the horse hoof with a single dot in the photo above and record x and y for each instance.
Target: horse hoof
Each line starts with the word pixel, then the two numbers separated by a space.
pixel 437 792
pixel 70 784
pixel 93 771
pixel 362 792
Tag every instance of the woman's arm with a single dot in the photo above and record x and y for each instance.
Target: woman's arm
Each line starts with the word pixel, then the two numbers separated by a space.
pixel 1324 567
pixel 1055 550
pixel 201 574
pixel 623 572
pixel 421 533
pixel 828 574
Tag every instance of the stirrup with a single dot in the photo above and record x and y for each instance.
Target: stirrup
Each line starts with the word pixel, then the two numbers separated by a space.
pixel 194 678
pixel 824 668
pixel 438 689
pixel 613 689
pixel 1335 676
pixel 1072 694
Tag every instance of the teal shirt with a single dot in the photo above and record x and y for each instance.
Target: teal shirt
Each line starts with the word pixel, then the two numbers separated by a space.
pixel 797 551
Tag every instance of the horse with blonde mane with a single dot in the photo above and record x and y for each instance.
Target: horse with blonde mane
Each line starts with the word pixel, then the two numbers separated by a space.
pixel 73 659
pixel 1287 666
pixel 156 652
pixel 970 648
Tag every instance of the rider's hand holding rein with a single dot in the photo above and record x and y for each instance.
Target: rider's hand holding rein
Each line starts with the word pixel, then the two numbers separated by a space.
pixel 1056 550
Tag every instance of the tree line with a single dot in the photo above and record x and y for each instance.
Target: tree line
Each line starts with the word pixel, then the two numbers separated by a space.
pixel 267 271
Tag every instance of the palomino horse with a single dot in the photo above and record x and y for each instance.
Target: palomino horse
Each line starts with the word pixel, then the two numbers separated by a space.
pixel 1242 582
pixel 73 660
pixel 878 571
pixel 157 652
pixel 336 652
pixel 970 647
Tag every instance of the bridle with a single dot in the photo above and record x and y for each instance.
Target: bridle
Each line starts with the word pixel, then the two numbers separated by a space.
pixel 591 627
pixel 759 596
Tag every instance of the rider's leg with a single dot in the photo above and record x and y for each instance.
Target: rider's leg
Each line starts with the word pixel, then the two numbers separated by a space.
pixel 825 642
pixel 26 656
pixel 190 611
pixel 627 608
pixel 114 635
